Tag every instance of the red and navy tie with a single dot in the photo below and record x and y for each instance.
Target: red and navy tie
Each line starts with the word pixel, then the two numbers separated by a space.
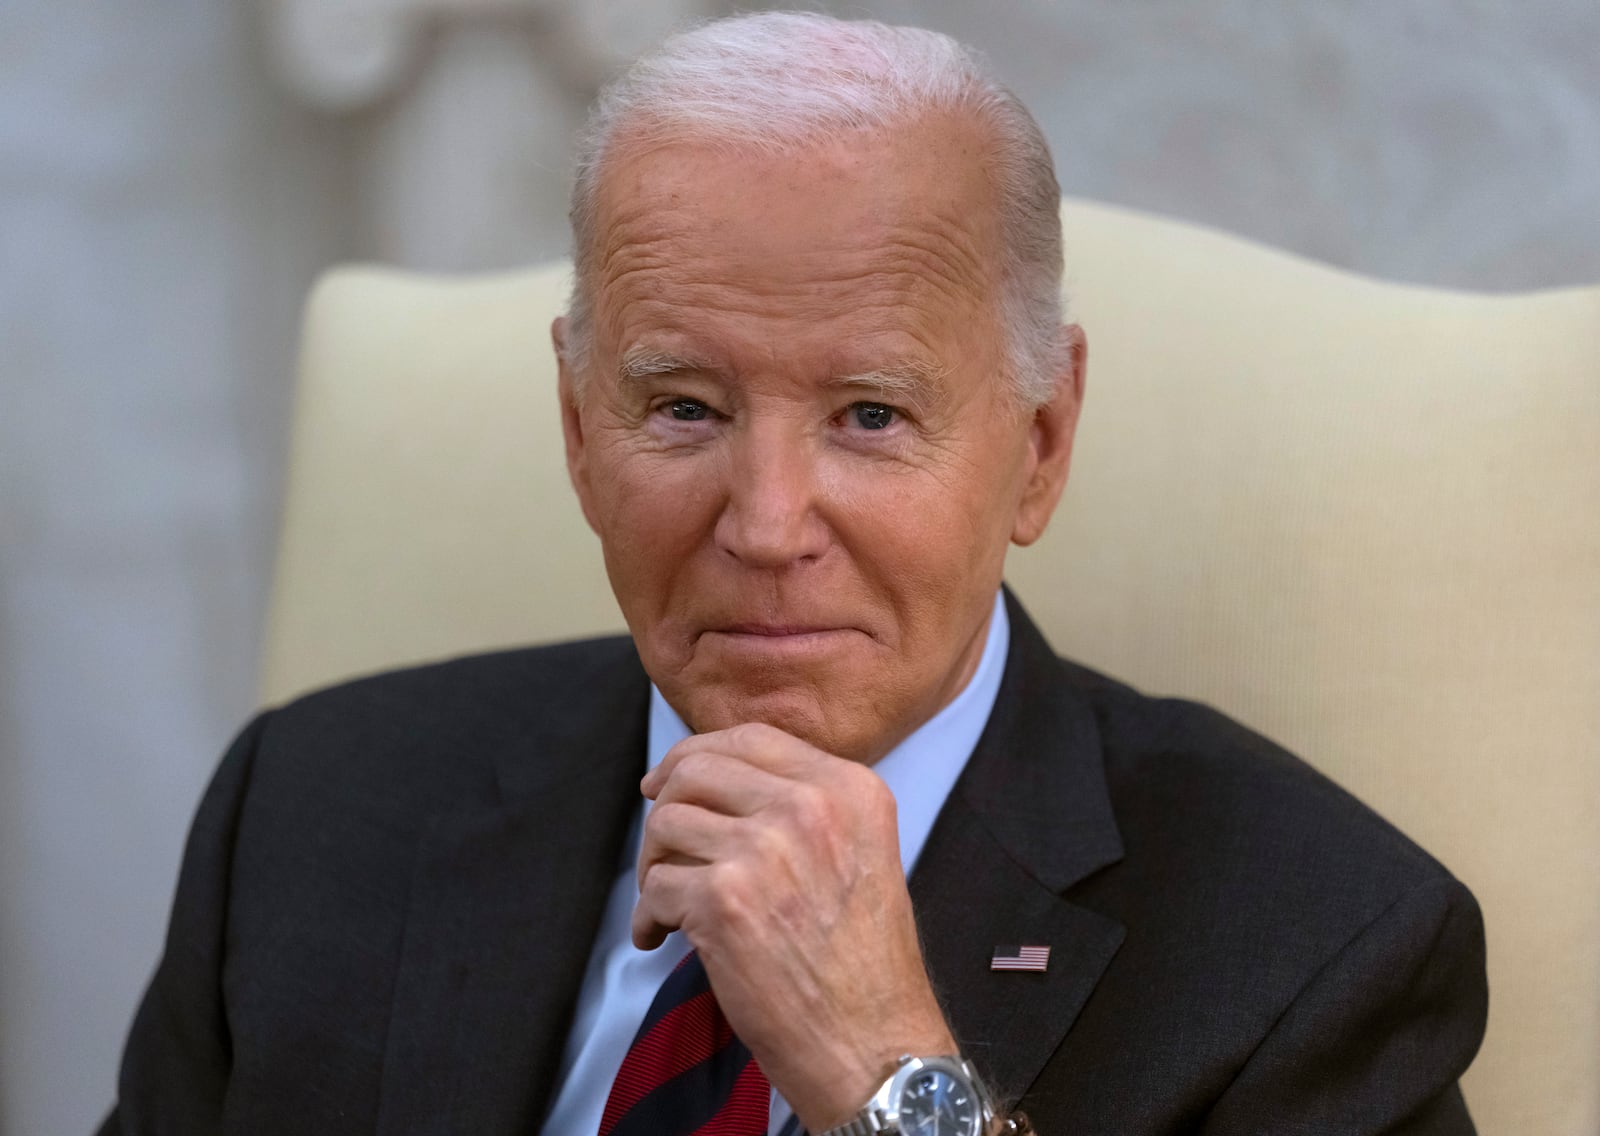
pixel 686 1074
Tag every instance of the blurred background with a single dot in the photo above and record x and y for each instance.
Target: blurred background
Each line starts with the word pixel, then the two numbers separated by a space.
pixel 174 175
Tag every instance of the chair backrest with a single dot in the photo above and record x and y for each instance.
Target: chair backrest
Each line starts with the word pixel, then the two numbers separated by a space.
pixel 1361 517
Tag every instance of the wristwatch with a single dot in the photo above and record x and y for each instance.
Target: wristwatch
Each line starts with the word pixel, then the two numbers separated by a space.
pixel 925 1096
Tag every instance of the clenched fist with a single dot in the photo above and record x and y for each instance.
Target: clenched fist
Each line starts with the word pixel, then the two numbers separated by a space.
pixel 781 863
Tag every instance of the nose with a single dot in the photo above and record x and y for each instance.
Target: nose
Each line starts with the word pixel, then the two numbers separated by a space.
pixel 771 517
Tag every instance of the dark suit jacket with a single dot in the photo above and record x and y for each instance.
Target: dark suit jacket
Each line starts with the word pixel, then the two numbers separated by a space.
pixel 391 890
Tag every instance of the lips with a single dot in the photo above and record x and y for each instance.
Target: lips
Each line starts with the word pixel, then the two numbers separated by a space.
pixel 776 630
pixel 794 641
pixel 762 645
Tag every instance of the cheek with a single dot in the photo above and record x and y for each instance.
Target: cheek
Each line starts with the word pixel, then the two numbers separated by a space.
pixel 654 509
pixel 927 539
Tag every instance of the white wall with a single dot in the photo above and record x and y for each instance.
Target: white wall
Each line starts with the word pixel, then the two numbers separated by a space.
pixel 164 201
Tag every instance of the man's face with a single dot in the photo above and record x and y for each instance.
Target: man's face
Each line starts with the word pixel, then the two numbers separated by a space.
pixel 795 441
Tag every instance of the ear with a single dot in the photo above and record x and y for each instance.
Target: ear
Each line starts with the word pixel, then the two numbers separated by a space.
pixel 1050 436
pixel 572 420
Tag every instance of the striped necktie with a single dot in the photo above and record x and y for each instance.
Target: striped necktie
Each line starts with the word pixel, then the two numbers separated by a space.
pixel 686 1074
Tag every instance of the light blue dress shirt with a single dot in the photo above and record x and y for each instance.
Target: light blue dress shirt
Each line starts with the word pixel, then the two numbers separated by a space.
pixel 621 980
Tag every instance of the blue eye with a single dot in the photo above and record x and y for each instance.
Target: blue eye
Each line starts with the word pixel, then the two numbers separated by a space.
pixel 873 415
pixel 688 410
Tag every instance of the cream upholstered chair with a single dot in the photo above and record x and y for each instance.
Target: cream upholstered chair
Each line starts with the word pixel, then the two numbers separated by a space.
pixel 1364 518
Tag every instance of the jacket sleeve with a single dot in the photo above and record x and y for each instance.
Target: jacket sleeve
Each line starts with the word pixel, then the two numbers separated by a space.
pixel 176 1064
pixel 1377 1039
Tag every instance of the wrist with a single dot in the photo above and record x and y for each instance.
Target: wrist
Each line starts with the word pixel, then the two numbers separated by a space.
pixel 940 1095
pixel 857 1075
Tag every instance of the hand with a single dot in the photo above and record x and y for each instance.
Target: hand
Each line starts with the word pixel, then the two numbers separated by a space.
pixel 781 864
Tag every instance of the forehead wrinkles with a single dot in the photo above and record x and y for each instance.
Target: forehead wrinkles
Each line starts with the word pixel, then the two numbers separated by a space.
pixel 631 243
pixel 914 264
pixel 944 253
pixel 907 221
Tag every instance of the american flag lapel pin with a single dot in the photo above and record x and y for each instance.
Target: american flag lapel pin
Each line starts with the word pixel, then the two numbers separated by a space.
pixel 1008 957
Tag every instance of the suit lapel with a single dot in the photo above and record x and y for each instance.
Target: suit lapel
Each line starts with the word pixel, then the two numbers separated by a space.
pixel 1029 817
pixel 506 901
pixel 499 930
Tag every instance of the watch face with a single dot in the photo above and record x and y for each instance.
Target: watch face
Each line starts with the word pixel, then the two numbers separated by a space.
pixel 933 1103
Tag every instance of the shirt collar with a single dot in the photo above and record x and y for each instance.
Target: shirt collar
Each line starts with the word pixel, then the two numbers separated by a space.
pixel 922 769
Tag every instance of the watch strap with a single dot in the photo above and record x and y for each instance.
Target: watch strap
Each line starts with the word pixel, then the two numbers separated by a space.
pixel 873 1118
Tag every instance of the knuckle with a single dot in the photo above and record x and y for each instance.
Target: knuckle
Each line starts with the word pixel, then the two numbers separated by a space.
pixel 694 774
pixel 749 735
pixel 867 791
pixel 664 818
pixel 767 844
pixel 811 810
pixel 880 802
pixel 861 780
pixel 692 768
pixel 728 887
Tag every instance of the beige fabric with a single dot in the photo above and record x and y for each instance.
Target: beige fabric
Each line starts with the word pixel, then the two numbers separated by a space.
pixel 1361 517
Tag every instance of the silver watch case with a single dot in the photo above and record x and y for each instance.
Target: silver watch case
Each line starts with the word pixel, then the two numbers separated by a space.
pixel 881 1114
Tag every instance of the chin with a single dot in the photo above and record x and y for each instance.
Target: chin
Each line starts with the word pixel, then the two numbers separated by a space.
pixel 800 714
pixel 815 720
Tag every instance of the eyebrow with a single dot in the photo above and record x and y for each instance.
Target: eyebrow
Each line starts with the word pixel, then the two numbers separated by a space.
pixel 916 385
pixel 643 362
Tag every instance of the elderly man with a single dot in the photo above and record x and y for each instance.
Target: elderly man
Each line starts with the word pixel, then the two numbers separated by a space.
pixel 814 381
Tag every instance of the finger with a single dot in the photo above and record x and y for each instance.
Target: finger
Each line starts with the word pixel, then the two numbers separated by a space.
pixel 680 833
pixel 723 784
pixel 755 743
pixel 663 901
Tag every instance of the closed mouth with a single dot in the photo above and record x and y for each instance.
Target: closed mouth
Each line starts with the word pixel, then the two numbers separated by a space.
pixel 775 630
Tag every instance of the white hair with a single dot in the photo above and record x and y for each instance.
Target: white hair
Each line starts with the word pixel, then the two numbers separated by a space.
pixel 780 81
